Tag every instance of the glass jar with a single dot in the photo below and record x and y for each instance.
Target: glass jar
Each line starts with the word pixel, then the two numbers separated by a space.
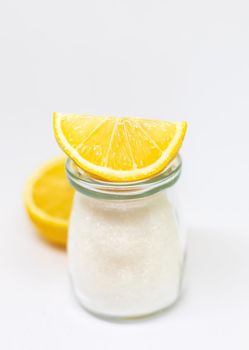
pixel 126 244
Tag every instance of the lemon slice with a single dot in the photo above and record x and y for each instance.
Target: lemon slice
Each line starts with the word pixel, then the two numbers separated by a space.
pixel 118 149
pixel 48 200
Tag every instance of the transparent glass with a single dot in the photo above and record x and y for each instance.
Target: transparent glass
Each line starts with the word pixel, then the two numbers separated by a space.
pixel 126 243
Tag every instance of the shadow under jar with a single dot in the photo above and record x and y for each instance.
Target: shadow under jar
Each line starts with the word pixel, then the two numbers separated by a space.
pixel 126 244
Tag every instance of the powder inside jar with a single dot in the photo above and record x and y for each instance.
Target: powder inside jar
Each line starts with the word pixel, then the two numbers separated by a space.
pixel 125 256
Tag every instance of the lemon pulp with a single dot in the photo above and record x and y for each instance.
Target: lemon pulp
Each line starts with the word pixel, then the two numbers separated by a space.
pixel 118 149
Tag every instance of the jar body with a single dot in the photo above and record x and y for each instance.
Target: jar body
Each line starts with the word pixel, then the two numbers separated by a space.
pixel 126 256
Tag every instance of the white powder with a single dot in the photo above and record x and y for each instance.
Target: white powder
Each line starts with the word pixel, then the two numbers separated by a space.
pixel 125 257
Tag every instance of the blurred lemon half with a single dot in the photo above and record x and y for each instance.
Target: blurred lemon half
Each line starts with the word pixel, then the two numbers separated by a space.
pixel 48 201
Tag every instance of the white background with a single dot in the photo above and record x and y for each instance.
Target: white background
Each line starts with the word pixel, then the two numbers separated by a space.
pixel 159 59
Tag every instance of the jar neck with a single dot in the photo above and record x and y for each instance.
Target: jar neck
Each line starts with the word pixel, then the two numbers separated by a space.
pixel 96 188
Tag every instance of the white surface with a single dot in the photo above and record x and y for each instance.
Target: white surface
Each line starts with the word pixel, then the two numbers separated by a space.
pixel 168 59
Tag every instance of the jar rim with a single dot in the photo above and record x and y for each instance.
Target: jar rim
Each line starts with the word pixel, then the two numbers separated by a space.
pixel 97 188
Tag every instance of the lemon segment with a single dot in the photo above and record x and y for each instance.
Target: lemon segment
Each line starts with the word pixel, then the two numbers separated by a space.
pixel 48 200
pixel 118 149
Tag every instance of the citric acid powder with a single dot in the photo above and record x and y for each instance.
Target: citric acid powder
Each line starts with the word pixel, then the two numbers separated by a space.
pixel 125 257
